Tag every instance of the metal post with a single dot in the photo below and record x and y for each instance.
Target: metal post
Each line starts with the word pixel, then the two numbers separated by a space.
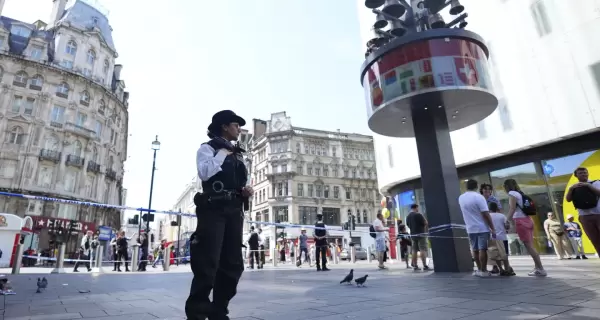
pixel 135 257
pixel 352 253
pixel 273 244
pixel 398 251
pixel 369 255
pixel 60 261
pixel 98 258
pixel 167 258
pixel 179 219
pixel 16 267
pixel 151 189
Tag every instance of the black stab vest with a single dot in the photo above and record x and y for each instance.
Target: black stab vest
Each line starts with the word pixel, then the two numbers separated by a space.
pixel 233 175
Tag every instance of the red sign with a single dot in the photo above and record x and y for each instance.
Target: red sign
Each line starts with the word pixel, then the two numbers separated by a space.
pixel 466 70
pixel 54 223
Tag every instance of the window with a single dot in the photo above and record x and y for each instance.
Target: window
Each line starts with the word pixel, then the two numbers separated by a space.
pixel 324 150
pixel 87 72
pixel 336 192
pixel 307 215
pixel 331 216
pixel 29 106
pixel 80 119
pixel 58 114
pixel 363 193
pixel 310 190
pixel 305 148
pixel 312 149
pixel 333 151
pixel 67 64
pixel 91 57
pixel 37 81
pixel 17 103
pixel 346 173
pixel 20 31
pixel 77 148
pixel 319 191
pixel 71 48
pixel 300 190
pixel 21 77
pixel 44 178
pixel 298 147
pixel 317 171
pixel 101 107
pixel 98 128
pixel 326 192
pixel 390 156
pixel 51 143
pixel 36 52
pixel 540 18
pixel 16 135
pixel 94 157
pixel 358 216
pixel 284 168
pixel 70 182
pixel 348 194
pixel 325 172
pixel 336 172
pixel 309 170
pixel 353 173
pixel 85 97
pixel 281 213
pixel 365 216
pixel 63 88
pixel 105 67
pixel 300 169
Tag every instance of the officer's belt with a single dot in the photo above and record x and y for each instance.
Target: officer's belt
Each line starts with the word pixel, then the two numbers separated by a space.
pixel 204 199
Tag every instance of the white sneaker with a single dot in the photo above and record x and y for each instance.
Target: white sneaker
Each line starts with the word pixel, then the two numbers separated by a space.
pixel 538 273
pixel 484 274
pixel 476 273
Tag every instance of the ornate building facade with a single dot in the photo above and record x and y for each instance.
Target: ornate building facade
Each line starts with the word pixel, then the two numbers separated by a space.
pixel 63 119
pixel 299 172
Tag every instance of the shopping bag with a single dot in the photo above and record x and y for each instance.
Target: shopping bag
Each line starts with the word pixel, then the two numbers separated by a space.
pixel 496 250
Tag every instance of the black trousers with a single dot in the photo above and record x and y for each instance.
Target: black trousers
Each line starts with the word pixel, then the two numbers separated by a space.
pixel 306 255
pixel 321 251
pixel 143 260
pixel 254 256
pixel 216 261
pixel 86 263
pixel 123 255
pixel 262 254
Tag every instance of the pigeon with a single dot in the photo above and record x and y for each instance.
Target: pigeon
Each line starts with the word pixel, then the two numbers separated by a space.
pixel 361 281
pixel 41 284
pixel 348 278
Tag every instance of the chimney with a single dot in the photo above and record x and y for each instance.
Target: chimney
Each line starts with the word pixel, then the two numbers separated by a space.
pixel 1 6
pixel 117 71
pixel 58 8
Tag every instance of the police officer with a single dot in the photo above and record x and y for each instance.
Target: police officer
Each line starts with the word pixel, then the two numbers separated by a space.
pixel 253 242
pixel 320 236
pixel 215 252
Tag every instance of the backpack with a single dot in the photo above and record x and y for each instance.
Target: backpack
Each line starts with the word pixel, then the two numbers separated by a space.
pixel 372 232
pixel 528 207
pixel 94 245
pixel 583 198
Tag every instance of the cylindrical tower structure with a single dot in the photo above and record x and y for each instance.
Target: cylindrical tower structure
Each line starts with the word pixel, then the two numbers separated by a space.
pixel 423 78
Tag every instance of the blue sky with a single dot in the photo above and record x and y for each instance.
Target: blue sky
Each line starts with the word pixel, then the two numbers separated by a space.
pixel 186 59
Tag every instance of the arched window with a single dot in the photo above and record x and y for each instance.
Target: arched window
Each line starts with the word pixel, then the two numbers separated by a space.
pixel 91 57
pixel 106 66
pixel 365 216
pixel 16 135
pixel 101 107
pixel 85 97
pixel 63 88
pixel 51 143
pixel 37 81
pixel 77 148
pixel 298 147
pixel 21 77
pixel 71 48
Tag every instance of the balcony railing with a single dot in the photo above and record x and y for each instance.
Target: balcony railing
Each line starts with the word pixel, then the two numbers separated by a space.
pixel 93 167
pixel 56 124
pixel 74 160
pixel 111 174
pixel 50 155
pixel 80 130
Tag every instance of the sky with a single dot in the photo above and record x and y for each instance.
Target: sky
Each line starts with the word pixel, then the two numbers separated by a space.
pixel 184 60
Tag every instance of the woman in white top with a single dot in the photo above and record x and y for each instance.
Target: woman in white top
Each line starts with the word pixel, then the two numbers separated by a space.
pixel 523 224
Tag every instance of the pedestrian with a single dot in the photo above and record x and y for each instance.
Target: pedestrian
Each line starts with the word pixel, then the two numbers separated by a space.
pixel 261 246
pixel 380 237
pixel 321 246
pixel 84 252
pixel 215 247
pixel 574 231
pixel 501 226
pixel 115 252
pixel 122 244
pixel 555 233
pixel 417 224
pixel 303 245
pixel 143 252
pixel 253 242
pixel 585 196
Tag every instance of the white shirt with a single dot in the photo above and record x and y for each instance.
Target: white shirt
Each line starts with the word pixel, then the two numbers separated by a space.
pixel 596 210
pixel 261 239
pixel 499 221
pixel 83 241
pixel 472 205
pixel 207 162
pixel 379 234
pixel 518 212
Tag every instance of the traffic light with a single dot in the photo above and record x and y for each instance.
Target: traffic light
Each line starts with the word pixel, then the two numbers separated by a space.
pixel 148 217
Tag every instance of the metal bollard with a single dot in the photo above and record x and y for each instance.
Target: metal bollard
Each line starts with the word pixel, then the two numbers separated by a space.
pixel 135 257
pixel 16 268
pixel 167 258
pixel 369 258
pixel 98 259
pixel 60 261
pixel 398 251
pixel 274 256
pixel 334 256
pixel 352 253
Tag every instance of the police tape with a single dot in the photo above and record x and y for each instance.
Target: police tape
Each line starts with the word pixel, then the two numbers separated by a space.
pixel 94 262
pixel 432 229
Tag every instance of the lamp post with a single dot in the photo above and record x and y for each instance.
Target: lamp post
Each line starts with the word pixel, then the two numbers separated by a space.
pixel 424 77
pixel 155 147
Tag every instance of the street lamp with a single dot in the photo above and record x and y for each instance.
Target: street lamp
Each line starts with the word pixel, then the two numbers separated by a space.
pixel 149 215
pixel 424 77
